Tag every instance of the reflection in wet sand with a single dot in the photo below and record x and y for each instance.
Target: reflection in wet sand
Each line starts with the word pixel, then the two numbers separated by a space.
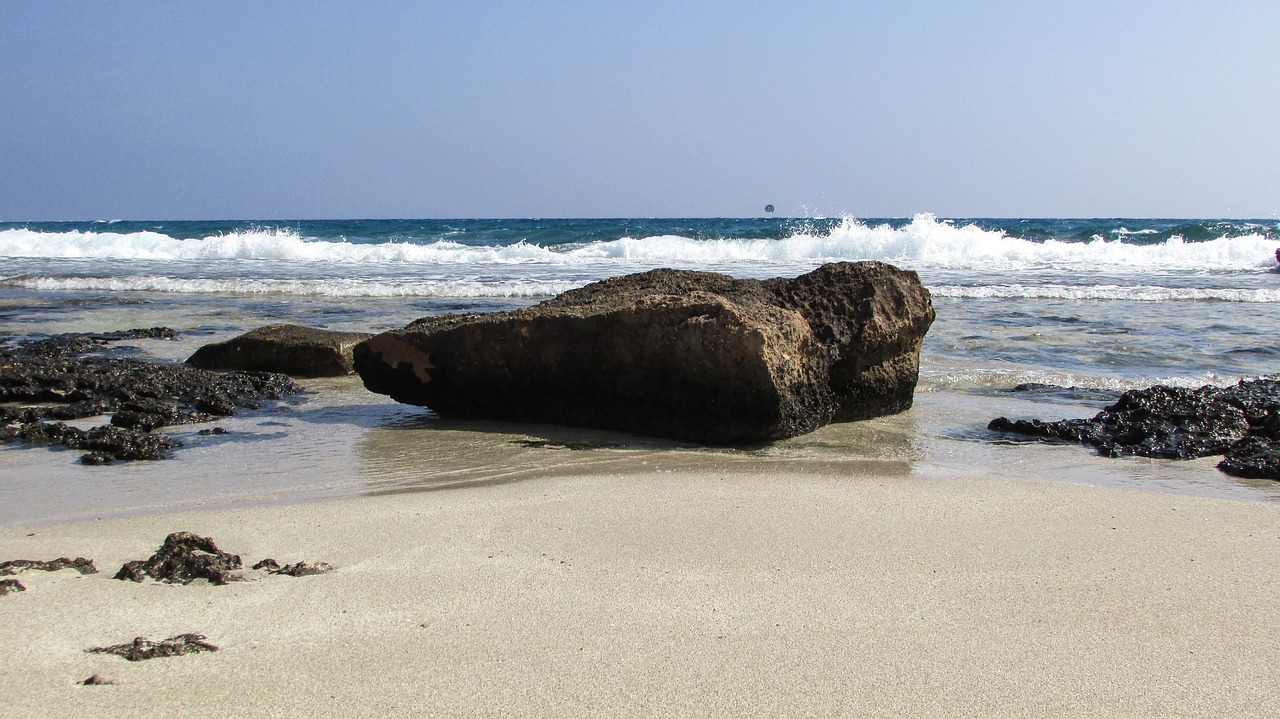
pixel 430 453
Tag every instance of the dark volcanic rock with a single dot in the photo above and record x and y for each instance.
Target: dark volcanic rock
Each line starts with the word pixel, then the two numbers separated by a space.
pixel 1253 457
pixel 291 349
pixel 147 414
pixel 183 558
pixel 687 355
pixel 1241 422
pixel 142 648
pixel 9 586
pixel 142 395
pixel 80 564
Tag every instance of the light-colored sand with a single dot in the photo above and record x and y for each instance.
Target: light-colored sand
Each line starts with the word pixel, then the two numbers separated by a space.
pixel 677 595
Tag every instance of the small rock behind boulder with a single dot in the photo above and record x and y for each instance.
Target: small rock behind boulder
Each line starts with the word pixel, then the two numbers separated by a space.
pixel 291 349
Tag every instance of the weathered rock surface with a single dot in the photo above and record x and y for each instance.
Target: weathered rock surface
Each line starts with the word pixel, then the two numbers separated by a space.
pixel 183 558
pixel 1241 422
pixel 688 355
pixel 290 349
pixel 142 648
pixel 142 396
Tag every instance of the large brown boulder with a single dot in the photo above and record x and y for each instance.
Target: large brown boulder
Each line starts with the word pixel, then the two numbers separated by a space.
pixel 688 355
pixel 288 349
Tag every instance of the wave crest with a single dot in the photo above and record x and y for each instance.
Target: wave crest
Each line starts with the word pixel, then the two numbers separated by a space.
pixel 925 242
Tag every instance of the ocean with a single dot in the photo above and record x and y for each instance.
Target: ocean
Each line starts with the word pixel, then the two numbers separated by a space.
pixel 1099 304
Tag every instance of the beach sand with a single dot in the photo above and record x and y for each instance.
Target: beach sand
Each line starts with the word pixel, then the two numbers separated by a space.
pixel 676 594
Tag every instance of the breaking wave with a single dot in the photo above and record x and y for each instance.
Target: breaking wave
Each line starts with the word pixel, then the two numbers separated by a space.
pixel 925 242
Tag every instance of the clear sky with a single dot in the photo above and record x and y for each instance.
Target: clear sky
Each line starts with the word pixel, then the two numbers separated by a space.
pixel 273 110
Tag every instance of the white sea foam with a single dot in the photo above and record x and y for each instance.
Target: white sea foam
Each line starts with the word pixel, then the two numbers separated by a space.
pixel 924 243
pixel 1107 292
pixel 934 379
pixel 323 287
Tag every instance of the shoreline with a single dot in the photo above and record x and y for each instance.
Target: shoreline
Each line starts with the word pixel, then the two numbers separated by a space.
pixel 711 593
pixel 339 441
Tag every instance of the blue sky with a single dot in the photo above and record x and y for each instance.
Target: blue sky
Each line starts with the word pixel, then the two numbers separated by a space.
pixel 254 110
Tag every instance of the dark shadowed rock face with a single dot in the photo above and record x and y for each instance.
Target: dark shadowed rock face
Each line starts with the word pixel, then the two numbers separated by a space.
pixel 689 355
pixel 289 349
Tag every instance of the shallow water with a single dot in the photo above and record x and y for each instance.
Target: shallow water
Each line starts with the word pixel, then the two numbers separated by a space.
pixel 338 440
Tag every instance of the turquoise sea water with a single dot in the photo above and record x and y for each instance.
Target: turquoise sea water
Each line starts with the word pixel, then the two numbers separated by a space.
pixel 1098 303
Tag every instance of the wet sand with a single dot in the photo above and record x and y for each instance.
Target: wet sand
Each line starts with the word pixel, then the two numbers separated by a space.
pixel 716 593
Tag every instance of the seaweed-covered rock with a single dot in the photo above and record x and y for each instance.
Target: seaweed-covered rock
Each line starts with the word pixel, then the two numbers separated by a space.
pixel 80 564
pixel 142 648
pixel 687 355
pixel 291 349
pixel 1241 421
pixel 305 568
pixel 183 558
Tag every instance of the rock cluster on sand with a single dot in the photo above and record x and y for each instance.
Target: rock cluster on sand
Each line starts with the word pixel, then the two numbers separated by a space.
pixel 56 375
pixel 292 349
pixel 1241 422
pixel 694 356
pixel 185 557
pixel 14 566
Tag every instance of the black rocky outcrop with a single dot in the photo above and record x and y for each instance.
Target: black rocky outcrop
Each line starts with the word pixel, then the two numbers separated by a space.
pixel 66 382
pixel 1241 422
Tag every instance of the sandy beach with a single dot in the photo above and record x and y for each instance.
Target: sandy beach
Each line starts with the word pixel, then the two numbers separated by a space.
pixel 681 594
